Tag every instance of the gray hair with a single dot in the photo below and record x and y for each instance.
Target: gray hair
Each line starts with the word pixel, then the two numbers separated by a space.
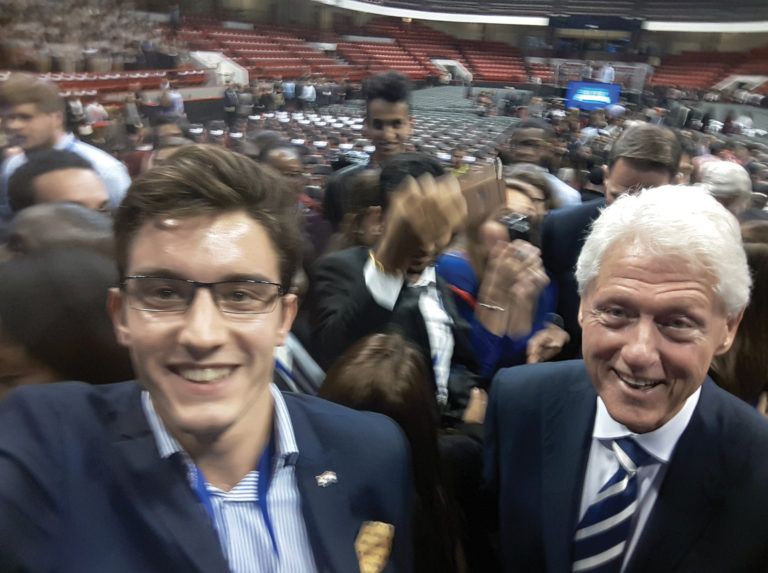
pixel 673 221
pixel 728 182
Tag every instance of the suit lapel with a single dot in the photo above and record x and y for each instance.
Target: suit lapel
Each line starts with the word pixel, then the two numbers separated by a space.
pixel 160 495
pixel 327 513
pixel 567 434
pixel 692 488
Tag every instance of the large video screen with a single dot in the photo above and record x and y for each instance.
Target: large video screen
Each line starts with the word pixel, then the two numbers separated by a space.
pixel 591 95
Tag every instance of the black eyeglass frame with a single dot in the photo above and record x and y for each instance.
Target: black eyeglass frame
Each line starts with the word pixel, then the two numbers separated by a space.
pixel 199 284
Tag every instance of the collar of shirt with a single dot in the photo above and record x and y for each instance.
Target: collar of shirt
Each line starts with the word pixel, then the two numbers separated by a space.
pixel 427 278
pixel 286 449
pixel 661 442
pixel 66 141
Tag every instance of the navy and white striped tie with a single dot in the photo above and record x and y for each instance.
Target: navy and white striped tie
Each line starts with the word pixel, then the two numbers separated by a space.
pixel 602 535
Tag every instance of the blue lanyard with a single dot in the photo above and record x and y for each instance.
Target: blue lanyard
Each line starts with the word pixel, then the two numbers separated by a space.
pixel 265 477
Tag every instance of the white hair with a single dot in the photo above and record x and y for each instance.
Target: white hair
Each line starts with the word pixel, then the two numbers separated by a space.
pixel 678 221
pixel 729 183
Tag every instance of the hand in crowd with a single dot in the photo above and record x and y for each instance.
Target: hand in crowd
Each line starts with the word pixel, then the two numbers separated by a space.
pixel 512 283
pixel 478 404
pixel 546 343
pixel 422 217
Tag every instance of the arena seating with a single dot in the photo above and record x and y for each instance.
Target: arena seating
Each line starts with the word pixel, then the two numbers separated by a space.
pixel 699 70
pixel 125 81
pixel 493 61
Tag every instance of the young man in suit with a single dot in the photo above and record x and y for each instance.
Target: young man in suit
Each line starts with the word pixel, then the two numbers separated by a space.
pixel 360 291
pixel 200 464
pixel 632 460
pixel 643 156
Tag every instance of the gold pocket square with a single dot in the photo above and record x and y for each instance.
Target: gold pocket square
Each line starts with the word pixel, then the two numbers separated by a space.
pixel 373 545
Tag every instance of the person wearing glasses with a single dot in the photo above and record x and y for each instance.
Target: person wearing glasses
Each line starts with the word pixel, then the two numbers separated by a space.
pixel 201 464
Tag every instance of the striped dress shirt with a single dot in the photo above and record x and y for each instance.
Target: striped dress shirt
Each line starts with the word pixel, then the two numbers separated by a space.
pixel 244 537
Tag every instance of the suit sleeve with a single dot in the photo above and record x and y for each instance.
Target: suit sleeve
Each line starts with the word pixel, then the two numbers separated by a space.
pixel 342 308
pixel 30 485
pixel 402 502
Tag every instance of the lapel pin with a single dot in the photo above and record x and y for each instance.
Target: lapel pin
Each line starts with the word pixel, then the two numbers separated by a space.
pixel 326 478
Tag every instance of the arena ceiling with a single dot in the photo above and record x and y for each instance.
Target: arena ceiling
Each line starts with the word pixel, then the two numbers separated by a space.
pixel 714 11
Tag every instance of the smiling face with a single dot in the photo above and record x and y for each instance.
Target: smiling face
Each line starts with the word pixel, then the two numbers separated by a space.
pixel 650 329
pixel 388 125
pixel 208 372
pixel 528 145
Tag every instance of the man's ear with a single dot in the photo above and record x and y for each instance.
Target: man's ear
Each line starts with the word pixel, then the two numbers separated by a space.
pixel 290 307
pixel 732 326
pixel 581 313
pixel 117 314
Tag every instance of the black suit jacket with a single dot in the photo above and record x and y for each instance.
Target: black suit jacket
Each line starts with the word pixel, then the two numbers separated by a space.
pixel 562 236
pixel 83 488
pixel 340 311
pixel 711 509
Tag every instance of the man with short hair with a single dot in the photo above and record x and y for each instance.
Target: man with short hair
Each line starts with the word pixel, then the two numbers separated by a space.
pixel 47 225
pixel 387 124
pixel 201 464
pixel 643 156
pixel 529 144
pixel 33 116
pixel 633 460
pixel 56 176
pixel 607 74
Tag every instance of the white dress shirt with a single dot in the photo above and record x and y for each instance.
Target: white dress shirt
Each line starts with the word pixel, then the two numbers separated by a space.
pixel 385 289
pixel 602 463
pixel 243 535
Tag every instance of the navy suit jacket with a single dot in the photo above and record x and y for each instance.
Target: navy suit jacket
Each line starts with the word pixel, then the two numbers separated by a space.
pixel 563 234
pixel 83 488
pixel 710 514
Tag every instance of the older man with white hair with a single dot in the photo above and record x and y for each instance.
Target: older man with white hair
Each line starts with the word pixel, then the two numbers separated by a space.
pixel 633 460
pixel 729 183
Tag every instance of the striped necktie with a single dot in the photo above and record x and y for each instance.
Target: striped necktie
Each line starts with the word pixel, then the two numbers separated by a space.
pixel 602 535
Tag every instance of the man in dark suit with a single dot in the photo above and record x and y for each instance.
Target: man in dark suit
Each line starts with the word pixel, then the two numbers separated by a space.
pixel 633 460
pixel 360 291
pixel 643 156
pixel 201 464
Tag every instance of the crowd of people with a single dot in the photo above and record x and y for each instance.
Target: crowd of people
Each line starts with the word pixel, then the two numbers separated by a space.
pixel 562 345
pixel 48 36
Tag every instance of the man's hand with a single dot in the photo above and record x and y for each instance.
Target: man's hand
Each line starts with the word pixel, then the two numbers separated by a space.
pixel 422 217
pixel 546 343
pixel 478 404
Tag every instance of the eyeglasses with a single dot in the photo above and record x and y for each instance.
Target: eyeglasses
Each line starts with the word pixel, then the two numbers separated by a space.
pixel 161 294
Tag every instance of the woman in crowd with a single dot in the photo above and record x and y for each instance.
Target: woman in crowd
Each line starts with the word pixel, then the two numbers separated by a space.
pixel 385 373
pixel 500 285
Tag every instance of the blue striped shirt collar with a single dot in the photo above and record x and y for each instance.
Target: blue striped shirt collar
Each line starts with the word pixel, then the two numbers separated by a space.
pixel 286 448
